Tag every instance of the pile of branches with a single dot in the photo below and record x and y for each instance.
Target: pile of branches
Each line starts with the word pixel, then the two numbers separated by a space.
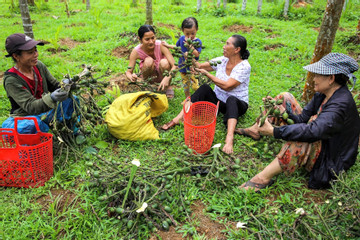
pixel 145 197
pixel 83 89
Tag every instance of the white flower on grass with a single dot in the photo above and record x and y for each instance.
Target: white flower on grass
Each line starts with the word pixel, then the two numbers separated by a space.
pixel 143 207
pixel 340 204
pixel 217 145
pixel 241 225
pixel 136 162
pixel 300 211
pixel 327 201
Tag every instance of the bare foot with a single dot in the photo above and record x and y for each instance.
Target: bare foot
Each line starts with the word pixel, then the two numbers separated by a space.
pixel 228 147
pixel 248 132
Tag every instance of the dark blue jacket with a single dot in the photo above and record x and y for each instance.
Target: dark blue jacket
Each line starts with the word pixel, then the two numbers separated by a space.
pixel 338 128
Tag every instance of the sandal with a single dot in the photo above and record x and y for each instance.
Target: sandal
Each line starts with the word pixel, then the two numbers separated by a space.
pixel 258 185
pixel 168 125
pixel 170 93
pixel 242 131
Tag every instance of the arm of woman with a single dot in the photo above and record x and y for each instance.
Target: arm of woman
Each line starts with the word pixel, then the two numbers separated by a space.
pixel 228 85
pixel 329 122
pixel 132 62
pixel 23 97
pixel 166 80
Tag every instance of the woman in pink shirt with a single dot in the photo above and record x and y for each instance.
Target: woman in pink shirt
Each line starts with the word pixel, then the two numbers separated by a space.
pixel 154 60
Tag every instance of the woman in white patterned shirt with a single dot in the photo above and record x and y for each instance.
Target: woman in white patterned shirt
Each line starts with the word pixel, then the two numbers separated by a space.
pixel 231 86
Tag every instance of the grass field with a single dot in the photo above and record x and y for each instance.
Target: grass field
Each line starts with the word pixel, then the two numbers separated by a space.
pixel 68 206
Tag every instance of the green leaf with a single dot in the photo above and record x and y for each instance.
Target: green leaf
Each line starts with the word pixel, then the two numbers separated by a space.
pixel 102 144
pixel 80 139
pixel 90 150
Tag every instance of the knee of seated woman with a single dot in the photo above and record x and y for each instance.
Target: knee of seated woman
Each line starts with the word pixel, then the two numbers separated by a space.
pixel 148 62
pixel 164 64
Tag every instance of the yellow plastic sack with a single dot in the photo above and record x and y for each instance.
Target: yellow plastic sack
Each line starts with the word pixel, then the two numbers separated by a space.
pixel 129 116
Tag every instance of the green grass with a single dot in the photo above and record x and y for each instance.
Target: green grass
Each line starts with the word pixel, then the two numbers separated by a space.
pixel 68 206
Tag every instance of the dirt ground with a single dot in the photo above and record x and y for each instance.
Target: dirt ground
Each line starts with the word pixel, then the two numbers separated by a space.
pixel 207 227
pixel 238 28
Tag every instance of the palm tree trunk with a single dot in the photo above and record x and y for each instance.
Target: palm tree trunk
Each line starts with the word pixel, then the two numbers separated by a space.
pixel 243 7
pixel 286 8
pixel 149 19
pixel 25 17
pixel 87 5
pixel 198 6
pixel 325 41
pixel 259 6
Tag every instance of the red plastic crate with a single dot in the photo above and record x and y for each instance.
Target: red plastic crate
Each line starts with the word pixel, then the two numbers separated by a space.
pixel 26 160
pixel 199 125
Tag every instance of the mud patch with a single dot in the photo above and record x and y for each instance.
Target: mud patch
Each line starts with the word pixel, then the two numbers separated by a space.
pixel 354 40
pixel 56 50
pixel 273 36
pixel 121 52
pixel 133 38
pixel 207 227
pixel 69 42
pixel 238 28
pixel 75 25
pixel 17 23
pixel 273 46
pixel 63 200
pixel 166 25
pixel 355 55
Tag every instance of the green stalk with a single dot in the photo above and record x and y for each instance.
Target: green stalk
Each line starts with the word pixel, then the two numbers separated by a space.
pixel 132 174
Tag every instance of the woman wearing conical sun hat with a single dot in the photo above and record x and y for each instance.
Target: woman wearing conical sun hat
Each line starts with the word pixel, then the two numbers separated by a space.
pixel 325 135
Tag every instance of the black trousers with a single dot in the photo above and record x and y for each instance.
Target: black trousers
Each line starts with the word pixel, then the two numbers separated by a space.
pixel 233 108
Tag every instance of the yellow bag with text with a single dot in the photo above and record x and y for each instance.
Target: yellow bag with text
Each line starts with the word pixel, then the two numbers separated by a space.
pixel 129 116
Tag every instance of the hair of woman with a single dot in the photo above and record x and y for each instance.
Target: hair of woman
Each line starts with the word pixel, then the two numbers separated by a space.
pixel 144 29
pixel 240 41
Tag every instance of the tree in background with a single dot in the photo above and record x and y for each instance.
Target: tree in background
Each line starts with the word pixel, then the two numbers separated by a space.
pixel 259 6
pixel 198 6
pixel 149 19
pixel 134 3
pixel 325 41
pixel 243 7
pixel 25 17
pixel 87 5
pixel 286 8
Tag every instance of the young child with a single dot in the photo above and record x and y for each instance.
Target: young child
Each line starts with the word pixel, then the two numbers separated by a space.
pixel 189 27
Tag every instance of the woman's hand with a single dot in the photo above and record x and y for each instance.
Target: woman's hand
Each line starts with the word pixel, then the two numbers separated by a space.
pixel 267 129
pixel 164 84
pixel 131 76
pixel 203 71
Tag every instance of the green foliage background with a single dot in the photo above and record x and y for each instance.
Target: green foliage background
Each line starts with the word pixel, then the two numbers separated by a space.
pixel 276 70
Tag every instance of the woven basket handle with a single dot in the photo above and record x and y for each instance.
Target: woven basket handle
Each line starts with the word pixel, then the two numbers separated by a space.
pixel 16 119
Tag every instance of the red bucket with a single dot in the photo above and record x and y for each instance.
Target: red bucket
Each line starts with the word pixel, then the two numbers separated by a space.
pixel 199 125
pixel 26 160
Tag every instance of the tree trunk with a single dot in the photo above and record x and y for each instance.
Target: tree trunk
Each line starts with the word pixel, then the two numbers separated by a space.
pixel 259 6
pixel 243 7
pixel 324 41
pixel 218 3
pixel 134 3
pixel 25 17
pixel 87 5
pixel 198 6
pixel 286 8
pixel 149 19
pixel 224 3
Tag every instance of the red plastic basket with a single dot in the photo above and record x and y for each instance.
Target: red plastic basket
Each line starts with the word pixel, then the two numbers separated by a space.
pixel 199 125
pixel 26 160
